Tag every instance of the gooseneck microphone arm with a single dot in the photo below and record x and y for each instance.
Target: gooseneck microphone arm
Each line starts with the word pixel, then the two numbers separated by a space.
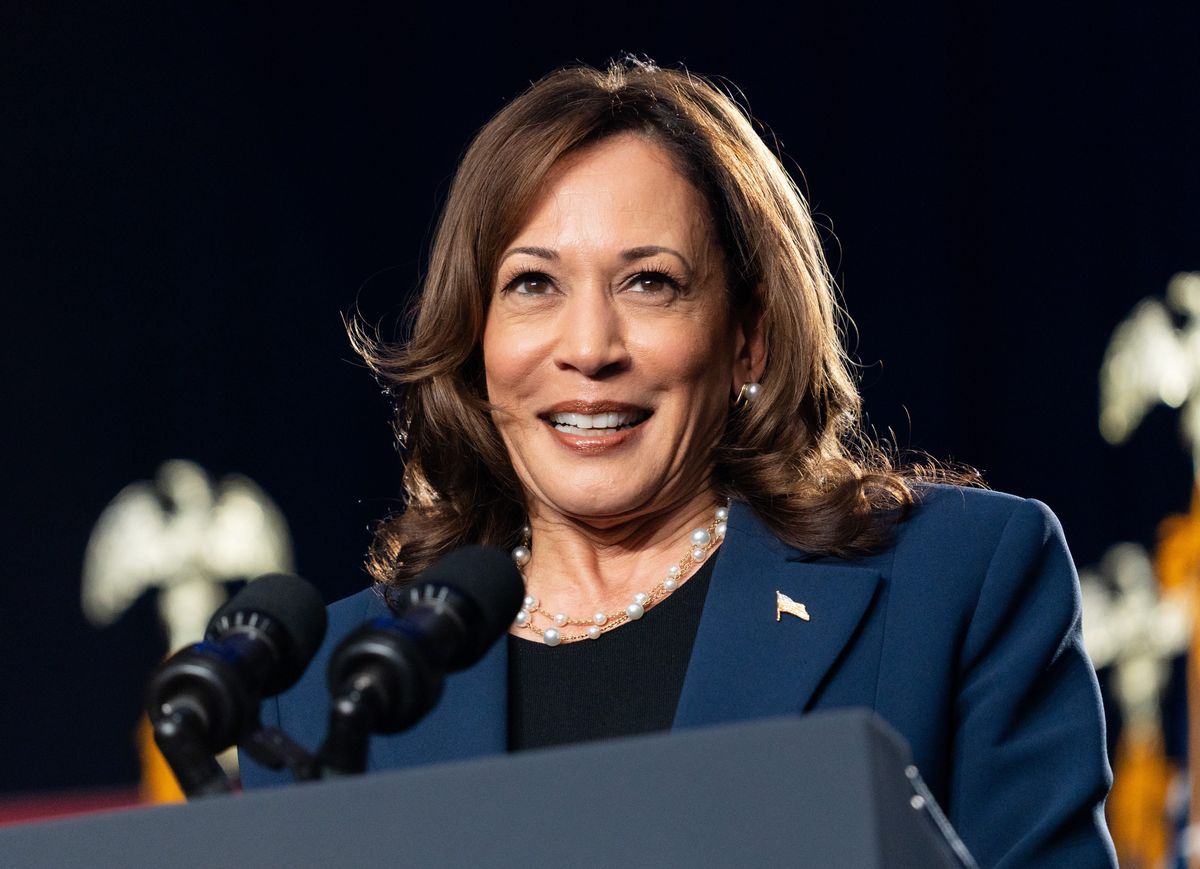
pixel 386 675
pixel 353 716
pixel 204 698
pixel 180 731
pixel 389 673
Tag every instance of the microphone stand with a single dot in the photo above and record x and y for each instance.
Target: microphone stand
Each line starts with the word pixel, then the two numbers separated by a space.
pixel 274 749
pixel 382 679
pixel 354 715
pixel 179 732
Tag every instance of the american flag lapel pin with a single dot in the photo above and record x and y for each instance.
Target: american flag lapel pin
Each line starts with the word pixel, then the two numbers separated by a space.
pixel 784 604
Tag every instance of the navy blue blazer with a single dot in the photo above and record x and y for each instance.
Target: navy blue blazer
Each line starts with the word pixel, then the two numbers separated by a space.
pixel 964 635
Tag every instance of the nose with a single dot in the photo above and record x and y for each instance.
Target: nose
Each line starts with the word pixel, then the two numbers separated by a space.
pixel 591 335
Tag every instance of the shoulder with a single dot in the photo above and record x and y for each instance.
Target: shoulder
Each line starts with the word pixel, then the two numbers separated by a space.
pixel 348 613
pixel 949 531
pixel 964 557
pixel 953 524
pixel 990 566
pixel 941 505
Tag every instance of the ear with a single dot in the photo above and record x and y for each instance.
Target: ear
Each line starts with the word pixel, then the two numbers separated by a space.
pixel 750 348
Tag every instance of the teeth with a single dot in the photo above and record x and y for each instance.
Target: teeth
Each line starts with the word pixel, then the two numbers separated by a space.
pixel 596 420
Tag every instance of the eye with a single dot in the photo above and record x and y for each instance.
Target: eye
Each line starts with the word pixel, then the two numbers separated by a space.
pixel 654 282
pixel 529 284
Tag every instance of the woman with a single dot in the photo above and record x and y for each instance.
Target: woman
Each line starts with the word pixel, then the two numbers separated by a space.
pixel 625 367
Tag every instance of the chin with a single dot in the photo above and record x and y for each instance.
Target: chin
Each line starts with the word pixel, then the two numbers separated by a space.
pixel 580 503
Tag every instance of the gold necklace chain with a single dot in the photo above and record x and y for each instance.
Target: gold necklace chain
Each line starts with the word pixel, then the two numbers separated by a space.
pixel 702 542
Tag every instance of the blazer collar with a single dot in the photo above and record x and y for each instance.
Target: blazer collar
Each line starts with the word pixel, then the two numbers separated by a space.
pixel 744 663
pixel 747 664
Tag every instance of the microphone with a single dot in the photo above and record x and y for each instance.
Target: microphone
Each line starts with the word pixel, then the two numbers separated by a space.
pixel 204 699
pixel 389 673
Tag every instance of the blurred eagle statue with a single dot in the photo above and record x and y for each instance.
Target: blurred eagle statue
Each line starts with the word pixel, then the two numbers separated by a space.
pixel 185 538
pixel 1150 360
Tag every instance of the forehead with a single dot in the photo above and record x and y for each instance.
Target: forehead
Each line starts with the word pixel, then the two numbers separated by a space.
pixel 619 193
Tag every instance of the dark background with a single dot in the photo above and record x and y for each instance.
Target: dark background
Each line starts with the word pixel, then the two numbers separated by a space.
pixel 194 194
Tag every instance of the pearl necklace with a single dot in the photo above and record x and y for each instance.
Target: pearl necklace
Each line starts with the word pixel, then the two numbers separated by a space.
pixel 703 540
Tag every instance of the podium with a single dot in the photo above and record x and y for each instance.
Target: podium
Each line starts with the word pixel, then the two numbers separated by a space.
pixel 832 789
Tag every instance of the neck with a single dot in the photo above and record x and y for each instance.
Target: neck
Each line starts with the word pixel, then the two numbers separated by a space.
pixel 579 568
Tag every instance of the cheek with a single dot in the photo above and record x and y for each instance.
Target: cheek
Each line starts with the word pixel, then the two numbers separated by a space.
pixel 510 362
pixel 499 363
pixel 704 362
pixel 696 358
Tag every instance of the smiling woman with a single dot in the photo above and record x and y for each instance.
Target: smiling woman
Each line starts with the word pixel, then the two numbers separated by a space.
pixel 655 185
pixel 625 368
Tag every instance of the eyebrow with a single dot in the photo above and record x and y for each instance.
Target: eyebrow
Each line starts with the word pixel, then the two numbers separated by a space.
pixel 539 252
pixel 633 253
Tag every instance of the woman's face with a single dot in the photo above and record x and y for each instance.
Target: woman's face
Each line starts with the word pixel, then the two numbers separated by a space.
pixel 609 349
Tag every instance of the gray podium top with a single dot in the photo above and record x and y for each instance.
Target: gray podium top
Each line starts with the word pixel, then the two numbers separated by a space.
pixel 831 789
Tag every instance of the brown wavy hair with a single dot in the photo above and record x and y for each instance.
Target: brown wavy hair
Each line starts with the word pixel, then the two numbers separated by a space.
pixel 797 455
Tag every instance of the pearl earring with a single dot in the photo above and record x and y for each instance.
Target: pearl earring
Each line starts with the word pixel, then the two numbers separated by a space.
pixel 750 391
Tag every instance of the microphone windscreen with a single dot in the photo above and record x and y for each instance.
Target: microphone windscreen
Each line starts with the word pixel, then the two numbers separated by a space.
pixel 296 613
pixel 486 576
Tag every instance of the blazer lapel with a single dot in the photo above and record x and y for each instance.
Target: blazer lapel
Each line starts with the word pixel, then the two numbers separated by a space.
pixel 744 663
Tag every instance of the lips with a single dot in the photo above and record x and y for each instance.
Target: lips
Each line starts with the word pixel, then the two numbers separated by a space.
pixel 594 419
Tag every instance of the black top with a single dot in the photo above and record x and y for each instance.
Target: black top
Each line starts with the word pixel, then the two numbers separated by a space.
pixel 627 681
